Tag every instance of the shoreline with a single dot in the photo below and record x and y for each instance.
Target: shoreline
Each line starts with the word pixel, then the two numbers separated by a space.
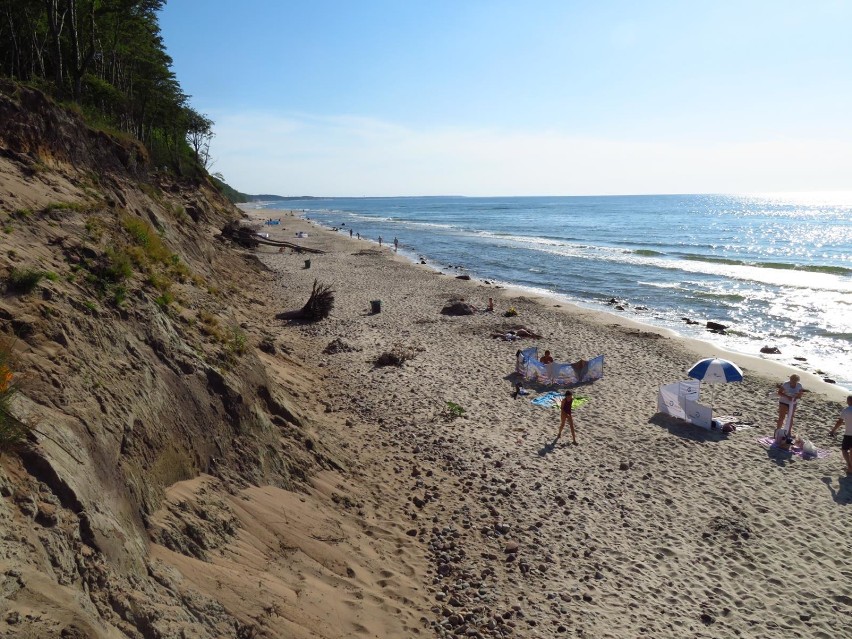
pixel 648 528
pixel 701 347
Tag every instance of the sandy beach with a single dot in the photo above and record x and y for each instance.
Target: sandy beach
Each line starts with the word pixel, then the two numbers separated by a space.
pixel 649 527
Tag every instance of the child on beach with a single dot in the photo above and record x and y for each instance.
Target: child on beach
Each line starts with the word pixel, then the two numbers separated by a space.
pixel 565 415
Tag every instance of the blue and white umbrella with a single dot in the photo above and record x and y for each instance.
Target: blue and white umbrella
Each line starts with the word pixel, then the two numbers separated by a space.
pixel 715 371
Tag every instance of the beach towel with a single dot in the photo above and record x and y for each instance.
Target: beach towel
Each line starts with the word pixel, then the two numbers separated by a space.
pixel 548 399
pixel 769 442
pixel 553 399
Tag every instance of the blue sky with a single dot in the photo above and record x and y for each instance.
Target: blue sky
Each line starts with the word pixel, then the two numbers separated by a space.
pixel 417 97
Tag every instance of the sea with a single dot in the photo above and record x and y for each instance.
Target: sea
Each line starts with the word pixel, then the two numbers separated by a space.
pixel 776 269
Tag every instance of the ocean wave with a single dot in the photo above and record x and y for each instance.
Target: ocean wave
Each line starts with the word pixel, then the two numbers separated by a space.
pixel 724 297
pixel 784 266
pixel 646 252
pixel 732 269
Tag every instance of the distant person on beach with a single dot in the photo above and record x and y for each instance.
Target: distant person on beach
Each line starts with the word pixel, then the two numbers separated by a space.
pixel 395 245
pixel 566 416
pixel 380 240
pixel 547 358
pixel 359 235
pixel 350 232
pixel 788 392
pixel 846 445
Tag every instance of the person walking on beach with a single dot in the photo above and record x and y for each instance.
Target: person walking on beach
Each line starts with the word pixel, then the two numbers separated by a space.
pixel 380 241
pixel 846 445
pixel 788 394
pixel 565 410
pixel 350 232
pixel 395 245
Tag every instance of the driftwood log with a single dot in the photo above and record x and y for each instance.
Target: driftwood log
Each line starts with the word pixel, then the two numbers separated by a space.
pixel 244 236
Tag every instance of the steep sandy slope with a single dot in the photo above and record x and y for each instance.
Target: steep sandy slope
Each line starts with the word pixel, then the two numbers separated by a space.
pixel 156 416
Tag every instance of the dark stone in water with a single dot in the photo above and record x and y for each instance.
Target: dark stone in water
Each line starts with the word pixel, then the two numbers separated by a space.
pixel 716 326
pixel 799 358
pixel 828 380
pixel 462 277
pixel 771 350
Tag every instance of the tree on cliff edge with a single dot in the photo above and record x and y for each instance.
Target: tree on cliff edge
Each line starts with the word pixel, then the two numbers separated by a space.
pixel 109 57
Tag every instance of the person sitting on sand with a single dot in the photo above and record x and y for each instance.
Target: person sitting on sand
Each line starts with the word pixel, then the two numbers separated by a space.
pixel 788 392
pixel 565 415
pixel 512 335
pixel 547 358
pixel 846 445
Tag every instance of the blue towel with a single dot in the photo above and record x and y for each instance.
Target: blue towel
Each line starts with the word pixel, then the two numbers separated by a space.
pixel 548 399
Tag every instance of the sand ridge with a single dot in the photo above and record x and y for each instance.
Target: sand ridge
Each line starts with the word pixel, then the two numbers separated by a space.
pixel 647 528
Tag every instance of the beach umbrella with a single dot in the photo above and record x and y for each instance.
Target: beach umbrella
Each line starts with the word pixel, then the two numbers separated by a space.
pixel 714 370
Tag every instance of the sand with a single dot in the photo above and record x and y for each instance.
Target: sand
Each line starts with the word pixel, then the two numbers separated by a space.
pixel 648 528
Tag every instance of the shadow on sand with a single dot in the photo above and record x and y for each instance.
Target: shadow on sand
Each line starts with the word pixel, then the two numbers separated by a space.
pixel 843 493
pixel 555 445
pixel 685 430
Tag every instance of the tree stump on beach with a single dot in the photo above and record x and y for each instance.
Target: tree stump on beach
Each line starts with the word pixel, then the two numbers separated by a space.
pixel 319 304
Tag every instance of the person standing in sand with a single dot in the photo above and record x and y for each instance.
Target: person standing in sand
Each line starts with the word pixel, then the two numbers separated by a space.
pixel 566 416
pixel 380 241
pixel 395 245
pixel 846 445
pixel 788 392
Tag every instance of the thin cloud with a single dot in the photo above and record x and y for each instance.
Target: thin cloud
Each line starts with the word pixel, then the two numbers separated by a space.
pixel 302 154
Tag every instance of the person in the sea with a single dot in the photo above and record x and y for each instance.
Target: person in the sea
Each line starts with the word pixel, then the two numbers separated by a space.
pixel 845 419
pixel 395 244
pixel 788 392
pixel 566 416
pixel 547 358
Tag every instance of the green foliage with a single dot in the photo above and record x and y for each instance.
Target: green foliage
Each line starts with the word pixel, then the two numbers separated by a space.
pixel 164 300
pixel 145 237
pixel 23 280
pixel 119 295
pixel 453 411
pixel 228 191
pixel 64 206
pixel 118 267
pixel 237 343
pixel 13 431
pixel 106 60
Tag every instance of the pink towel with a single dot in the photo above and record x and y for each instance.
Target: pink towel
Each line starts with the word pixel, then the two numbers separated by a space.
pixel 769 442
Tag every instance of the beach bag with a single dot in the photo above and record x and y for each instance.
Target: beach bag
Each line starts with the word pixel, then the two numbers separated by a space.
pixel 808 448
